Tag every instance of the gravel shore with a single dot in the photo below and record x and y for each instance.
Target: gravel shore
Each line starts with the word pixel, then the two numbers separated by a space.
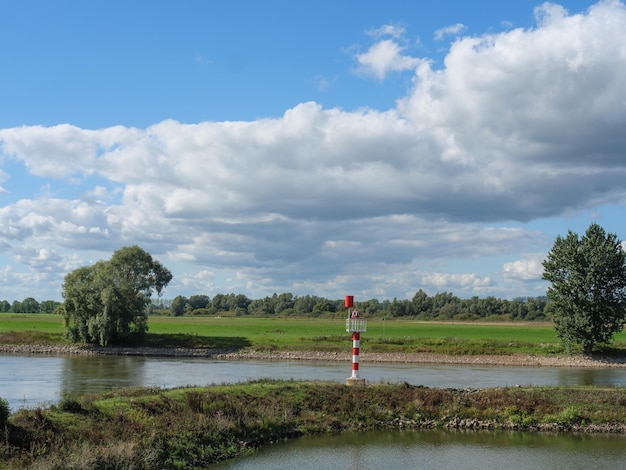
pixel 416 358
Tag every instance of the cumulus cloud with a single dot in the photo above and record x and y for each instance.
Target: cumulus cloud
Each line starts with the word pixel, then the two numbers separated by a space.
pixel 66 152
pixel 534 115
pixel 529 268
pixel 515 126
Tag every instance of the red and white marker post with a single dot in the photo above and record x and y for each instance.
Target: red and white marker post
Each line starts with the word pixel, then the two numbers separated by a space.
pixel 354 324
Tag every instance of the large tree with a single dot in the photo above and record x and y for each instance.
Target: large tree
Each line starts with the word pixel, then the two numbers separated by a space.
pixel 588 291
pixel 106 302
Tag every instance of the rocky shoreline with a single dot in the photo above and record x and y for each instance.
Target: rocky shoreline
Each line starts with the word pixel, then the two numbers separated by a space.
pixel 244 354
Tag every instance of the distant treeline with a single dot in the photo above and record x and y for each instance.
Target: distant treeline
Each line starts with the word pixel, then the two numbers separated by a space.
pixel 28 305
pixel 441 306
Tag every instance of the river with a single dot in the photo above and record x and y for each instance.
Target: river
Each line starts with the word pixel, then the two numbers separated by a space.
pixel 28 381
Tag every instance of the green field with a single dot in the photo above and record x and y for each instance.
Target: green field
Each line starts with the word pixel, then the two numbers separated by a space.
pixel 283 334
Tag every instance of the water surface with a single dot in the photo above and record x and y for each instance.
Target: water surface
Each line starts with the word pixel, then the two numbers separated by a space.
pixel 439 450
pixel 27 381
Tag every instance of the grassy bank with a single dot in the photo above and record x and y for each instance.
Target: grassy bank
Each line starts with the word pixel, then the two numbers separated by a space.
pixel 317 334
pixel 193 427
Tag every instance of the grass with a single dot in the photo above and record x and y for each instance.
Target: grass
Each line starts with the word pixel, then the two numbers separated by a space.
pixel 195 426
pixel 31 322
pixel 281 334
pixel 319 334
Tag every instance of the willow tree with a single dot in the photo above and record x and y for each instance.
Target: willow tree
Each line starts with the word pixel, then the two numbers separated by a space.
pixel 588 291
pixel 106 302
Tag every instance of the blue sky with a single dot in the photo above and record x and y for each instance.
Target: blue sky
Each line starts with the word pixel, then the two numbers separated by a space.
pixel 328 148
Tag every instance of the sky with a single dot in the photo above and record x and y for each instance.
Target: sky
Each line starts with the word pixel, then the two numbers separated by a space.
pixel 321 148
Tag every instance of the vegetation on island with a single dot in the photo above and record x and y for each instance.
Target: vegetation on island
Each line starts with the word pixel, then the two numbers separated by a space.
pixel 190 428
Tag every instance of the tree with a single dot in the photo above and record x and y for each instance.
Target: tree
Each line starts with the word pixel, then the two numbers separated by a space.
pixel 196 302
pixel 178 305
pixel 219 303
pixel 283 302
pixel 588 291
pixel 48 306
pixel 106 302
pixel 30 305
pixel 422 304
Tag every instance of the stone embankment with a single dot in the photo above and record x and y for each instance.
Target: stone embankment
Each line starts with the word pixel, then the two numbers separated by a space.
pixel 475 424
pixel 408 358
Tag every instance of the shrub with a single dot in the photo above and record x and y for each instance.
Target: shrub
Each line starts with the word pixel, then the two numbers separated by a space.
pixel 4 412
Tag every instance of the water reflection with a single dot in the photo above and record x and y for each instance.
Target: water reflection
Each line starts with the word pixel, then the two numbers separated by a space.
pixel 587 377
pixel 99 373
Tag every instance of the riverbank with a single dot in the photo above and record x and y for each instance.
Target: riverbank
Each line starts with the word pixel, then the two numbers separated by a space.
pixel 522 360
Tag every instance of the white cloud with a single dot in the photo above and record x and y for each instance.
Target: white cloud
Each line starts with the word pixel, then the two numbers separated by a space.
pixel 201 281
pixel 529 268
pixel 455 282
pixel 392 30
pixel 452 30
pixel 62 151
pixel 539 110
pixel 384 57
pixel 387 54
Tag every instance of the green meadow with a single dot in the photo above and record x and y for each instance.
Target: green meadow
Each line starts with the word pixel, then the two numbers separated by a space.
pixel 318 334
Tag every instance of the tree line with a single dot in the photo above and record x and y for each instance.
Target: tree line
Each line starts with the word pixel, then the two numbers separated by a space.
pixel 441 306
pixel 29 305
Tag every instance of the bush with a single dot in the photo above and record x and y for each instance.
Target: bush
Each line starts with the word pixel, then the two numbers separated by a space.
pixel 4 412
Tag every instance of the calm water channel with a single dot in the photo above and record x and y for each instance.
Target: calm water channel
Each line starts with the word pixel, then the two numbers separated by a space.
pixel 28 381
pixel 439 450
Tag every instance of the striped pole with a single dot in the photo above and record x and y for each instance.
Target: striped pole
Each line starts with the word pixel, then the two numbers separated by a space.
pixel 356 339
pixel 355 325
